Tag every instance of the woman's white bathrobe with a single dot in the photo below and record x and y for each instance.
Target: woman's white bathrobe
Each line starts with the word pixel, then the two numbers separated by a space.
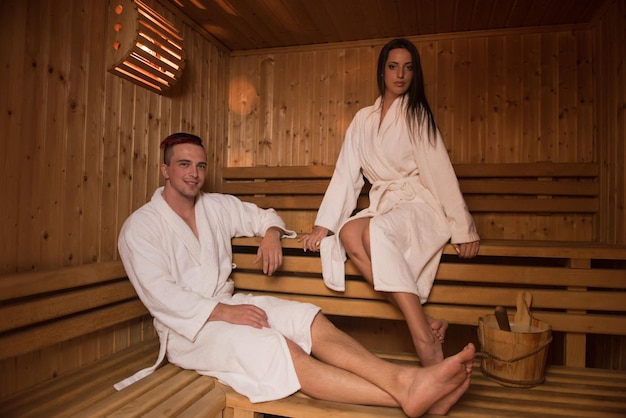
pixel 180 279
pixel 415 202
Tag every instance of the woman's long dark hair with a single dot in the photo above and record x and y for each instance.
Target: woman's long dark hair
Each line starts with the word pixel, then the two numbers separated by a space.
pixel 418 108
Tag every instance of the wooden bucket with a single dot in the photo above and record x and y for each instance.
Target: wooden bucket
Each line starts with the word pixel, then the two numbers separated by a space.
pixel 515 358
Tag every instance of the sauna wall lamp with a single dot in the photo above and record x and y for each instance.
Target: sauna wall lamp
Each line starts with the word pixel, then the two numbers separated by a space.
pixel 143 47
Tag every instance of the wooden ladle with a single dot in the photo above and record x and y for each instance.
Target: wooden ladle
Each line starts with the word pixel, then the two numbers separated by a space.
pixel 522 317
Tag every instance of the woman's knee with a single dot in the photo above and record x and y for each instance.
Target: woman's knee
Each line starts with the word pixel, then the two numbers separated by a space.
pixel 352 236
pixel 365 239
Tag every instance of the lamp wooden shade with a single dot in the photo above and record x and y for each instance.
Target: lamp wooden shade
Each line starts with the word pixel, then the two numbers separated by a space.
pixel 143 47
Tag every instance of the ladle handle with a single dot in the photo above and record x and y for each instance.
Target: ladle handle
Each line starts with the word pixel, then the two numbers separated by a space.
pixel 503 318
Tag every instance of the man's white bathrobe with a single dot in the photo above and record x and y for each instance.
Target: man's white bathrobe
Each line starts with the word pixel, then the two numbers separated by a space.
pixel 180 279
pixel 415 202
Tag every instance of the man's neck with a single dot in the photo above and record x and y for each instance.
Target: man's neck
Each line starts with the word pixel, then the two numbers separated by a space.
pixel 182 205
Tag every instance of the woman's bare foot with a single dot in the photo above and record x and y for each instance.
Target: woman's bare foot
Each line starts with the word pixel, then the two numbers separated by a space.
pixel 438 327
pixel 429 353
pixel 437 388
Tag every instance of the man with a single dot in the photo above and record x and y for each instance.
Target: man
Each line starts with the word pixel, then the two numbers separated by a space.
pixel 177 253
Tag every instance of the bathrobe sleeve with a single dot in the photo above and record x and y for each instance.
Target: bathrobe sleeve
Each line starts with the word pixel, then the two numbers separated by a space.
pixel 438 175
pixel 249 220
pixel 345 186
pixel 144 252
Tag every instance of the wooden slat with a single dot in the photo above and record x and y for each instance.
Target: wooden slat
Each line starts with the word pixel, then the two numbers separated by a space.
pixel 482 170
pixel 303 285
pixel 89 392
pixel 527 205
pixel 530 275
pixel 612 300
pixel 279 187
pixel 251 173
pixel 182 400
pixel 51 307
pixel 559 321
pixel 32 339
pixel 31 283
pixel 211 405
pixel 94 377
pixel 103 403
pixel 529 187
pixel 546 169
pixel 506 248
pixel 286 202
pixel 503 187
pixel 302 406
pixel 140 405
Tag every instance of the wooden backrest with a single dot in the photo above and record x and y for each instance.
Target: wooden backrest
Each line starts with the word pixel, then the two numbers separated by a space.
pixel 38 309
pixel 494 188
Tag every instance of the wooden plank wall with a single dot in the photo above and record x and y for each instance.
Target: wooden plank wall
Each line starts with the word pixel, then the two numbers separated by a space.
pixel 79 151
pixel 610 108
pixel 80 148
pixel 610 114
pixel 498 96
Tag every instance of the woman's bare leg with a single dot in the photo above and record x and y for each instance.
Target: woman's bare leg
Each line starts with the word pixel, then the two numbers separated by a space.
pixel 427 333
pixel 344 371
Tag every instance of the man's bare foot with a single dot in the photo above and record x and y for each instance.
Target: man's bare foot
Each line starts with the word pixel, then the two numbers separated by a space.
pixel 442 406
pixel 437 388
pixel 438 327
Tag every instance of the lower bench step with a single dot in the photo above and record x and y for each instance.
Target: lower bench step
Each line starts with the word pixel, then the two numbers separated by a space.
pixel 567 392
pixel 173 392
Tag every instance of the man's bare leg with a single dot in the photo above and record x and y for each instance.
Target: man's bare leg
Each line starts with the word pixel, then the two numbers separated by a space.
pixel 371 380
pixel 324 381
pixel 427 333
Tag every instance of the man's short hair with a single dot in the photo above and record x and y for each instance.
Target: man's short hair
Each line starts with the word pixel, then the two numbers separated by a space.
pixel 175 139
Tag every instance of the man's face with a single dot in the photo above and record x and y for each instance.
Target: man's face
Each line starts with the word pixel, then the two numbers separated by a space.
pixel 187 170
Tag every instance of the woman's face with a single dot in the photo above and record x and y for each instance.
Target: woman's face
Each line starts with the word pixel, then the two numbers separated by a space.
pixel 398 73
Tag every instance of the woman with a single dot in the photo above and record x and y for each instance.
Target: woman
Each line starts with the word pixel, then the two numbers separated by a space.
pixel 416 205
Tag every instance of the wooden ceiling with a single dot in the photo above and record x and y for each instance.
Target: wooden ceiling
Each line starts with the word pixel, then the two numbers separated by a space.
pixel 256 24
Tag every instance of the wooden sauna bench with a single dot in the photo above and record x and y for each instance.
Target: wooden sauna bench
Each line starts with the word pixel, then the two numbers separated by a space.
pixel 41 309
pixel 578 288
pixel 503 267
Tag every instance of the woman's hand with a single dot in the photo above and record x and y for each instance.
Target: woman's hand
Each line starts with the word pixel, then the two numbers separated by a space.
pixel 313 240
pixel 467 249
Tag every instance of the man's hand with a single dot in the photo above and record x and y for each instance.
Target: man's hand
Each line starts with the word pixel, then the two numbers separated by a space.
pixel 270 251
pixel 467 249
pixel 241 315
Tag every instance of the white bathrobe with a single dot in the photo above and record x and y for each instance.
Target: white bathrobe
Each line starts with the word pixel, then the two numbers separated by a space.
pixel 180 279
pixel 415 202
